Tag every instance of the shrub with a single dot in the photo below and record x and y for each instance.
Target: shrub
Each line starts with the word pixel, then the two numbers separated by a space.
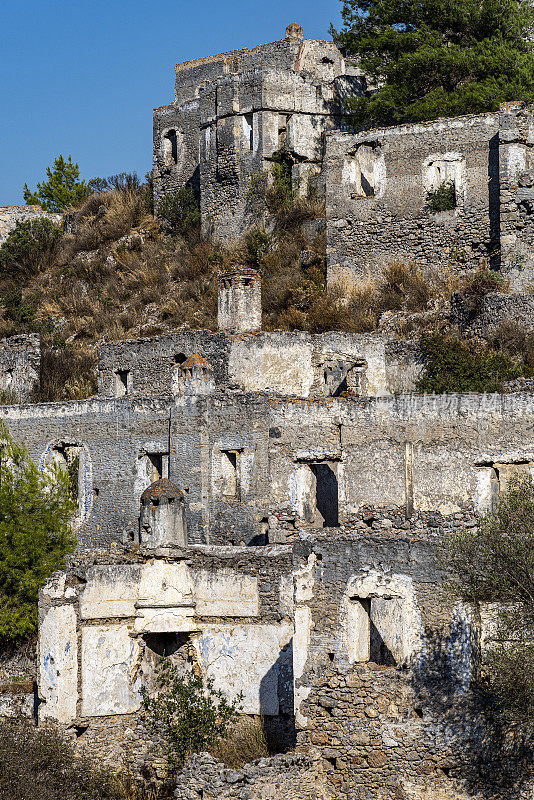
pixel 179 212
pixel 443 198
pixel 187 712
pixel 245 742
pixel 455 366
pixel 403 286
pixel 66 374
pixel 39 763
pixel 62 190
pixel 29 247
pixel 257 243
pixel 495 563
pixel 482 282
pixel 35 535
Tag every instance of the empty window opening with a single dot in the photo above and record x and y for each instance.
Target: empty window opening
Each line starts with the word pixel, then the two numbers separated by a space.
pixel 326 496
pixel 343 377
pixel 375 630
pixel 493 478
pixel 170 148
pixel 179 358
pixel 67 458
pixel 248 131
pixel 230 467
pixel 283 125
pixel 444 181
pixel 364 172
pixel 156 462
pixel 122 382
pixel 262 538
pixel 8 380
pixel 150 467
pixel 166 644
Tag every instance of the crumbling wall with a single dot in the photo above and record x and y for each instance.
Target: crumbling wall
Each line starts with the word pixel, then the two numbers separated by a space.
pixel 295 776
pixel 516 179
pixel 20 367
pixel 484 316
pixel 99 644
pixel 404 719
pixel 10 215
pixel 377 183
pixel 113 435
pixel 232 112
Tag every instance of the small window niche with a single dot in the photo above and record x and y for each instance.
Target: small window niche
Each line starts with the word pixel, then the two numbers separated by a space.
pixel 375 629
pixel 230 473
pixel 493 478
pixel 122 382
pixel 444 181
pixel 342 377
pixel 248 131
pixel 150 467
pixel 364 171
pixel 170 148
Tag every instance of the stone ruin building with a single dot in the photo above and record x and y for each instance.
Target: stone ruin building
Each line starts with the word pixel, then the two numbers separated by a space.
pixel 267 508
pixel 234 112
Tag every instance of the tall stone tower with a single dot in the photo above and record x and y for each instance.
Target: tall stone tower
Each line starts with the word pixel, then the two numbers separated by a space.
pixel 239 307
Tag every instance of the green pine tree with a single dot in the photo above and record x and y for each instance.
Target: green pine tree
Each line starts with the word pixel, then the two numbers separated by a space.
pixel 35 534
pixel 62 189
pixel 437 58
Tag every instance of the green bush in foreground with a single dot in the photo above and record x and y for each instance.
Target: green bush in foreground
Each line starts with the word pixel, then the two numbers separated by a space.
pixel 35 535
pixel 187 712
pixel 29 248
pixel 455 366
pixel 495 563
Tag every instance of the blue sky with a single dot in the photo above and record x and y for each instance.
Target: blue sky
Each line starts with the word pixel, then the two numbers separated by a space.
pixel 81 78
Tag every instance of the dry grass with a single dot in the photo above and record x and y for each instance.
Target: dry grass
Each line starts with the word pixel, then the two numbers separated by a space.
pixel 120 277
pixel 245 742
pixel 38 763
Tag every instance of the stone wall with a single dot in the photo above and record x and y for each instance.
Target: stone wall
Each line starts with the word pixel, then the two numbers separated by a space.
pixel 20 367
pixel 484 316
pixel 10 215
pixel 256 467
pixel 239 108
pixel 279 362
pixel 377 183
pixel 102 627
pixel 295 776
pixel 389 658
pixel 113 437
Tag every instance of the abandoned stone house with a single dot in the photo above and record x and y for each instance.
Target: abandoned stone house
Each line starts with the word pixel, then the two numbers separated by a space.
pixel 233 113
pixel 267 508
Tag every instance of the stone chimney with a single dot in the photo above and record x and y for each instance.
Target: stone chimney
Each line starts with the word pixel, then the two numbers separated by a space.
pixel 162 522
pixel 239 300
pixel 294 32
pixel 195 376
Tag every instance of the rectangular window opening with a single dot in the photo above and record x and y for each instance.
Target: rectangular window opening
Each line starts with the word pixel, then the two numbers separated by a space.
pixel 230 466
pixel 326 495
pixel 122 382
pixel 374 630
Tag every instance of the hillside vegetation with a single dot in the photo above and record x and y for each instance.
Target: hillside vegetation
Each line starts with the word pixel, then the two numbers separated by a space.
pixel 124 273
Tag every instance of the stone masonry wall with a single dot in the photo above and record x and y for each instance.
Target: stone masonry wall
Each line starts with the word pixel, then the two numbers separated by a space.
pixel 412 730
pixel 516 181
pixel 20 367
pixel 376 196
